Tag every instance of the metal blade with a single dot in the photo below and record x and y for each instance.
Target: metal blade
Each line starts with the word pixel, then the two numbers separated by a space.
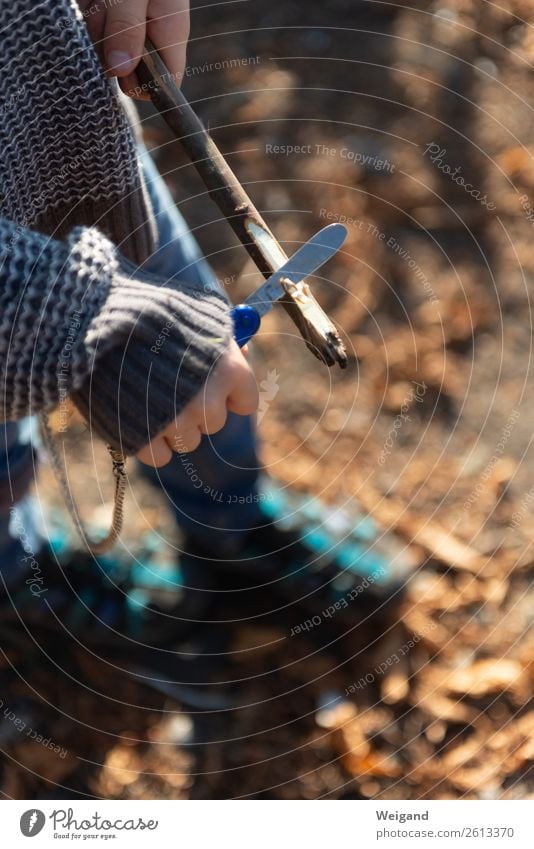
pixel 311 256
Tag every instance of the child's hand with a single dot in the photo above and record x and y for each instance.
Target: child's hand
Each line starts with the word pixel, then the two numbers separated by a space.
pixel 118 29
pixel 230 388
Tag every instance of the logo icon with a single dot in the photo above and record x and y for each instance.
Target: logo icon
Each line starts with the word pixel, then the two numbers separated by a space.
pixel 32 822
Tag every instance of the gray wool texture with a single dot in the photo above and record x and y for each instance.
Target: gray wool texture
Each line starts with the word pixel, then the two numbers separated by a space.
pixel 77 315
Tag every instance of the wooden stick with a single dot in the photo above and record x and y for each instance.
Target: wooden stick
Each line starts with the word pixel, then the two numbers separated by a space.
pixel 226 191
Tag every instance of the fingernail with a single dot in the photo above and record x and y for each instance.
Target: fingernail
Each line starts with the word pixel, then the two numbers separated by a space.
pixel 120 62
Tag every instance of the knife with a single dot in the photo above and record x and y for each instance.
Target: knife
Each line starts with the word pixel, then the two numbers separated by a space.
pixel 308 259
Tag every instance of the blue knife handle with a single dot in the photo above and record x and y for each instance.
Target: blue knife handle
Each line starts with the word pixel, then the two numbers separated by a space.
pixel 246 323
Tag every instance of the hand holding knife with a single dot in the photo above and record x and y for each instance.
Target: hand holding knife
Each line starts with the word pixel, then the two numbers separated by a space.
pixel 307 259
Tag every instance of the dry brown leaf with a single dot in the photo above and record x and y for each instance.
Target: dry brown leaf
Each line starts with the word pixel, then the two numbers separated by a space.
pixel 495 590
pixel 381 766
pixel 446 547
pixel 483 761
pixel 356 752
pixel 461 754
pixel 514 733
pixel 336 716
pixel 427 629
pixel 440 592
pixel 395 684
pixel 472 780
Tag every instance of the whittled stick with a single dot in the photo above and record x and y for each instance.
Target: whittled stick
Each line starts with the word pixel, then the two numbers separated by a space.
pixel 226 191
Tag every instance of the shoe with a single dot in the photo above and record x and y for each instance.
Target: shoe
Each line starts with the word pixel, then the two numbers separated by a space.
pixel 105 600
pixel 332 561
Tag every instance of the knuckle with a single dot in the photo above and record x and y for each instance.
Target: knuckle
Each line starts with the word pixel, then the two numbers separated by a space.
pixel 178 435
pixel 214 419
pixel 179 444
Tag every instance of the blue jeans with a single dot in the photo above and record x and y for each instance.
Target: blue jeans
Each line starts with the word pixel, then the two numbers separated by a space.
pixel 211 491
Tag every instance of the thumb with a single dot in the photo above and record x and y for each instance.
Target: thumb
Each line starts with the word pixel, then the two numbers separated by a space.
pixel 157 453
pixel 124 36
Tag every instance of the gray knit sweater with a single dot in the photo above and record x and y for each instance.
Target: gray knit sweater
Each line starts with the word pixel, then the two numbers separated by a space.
pixel 77 316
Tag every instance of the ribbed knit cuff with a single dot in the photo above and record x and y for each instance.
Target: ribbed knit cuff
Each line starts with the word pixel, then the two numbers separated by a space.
pixel 150 350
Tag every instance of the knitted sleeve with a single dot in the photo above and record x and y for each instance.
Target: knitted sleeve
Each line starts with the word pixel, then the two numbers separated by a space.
pixel 77 319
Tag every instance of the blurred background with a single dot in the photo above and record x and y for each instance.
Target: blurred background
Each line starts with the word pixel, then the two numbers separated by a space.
pixel 413 123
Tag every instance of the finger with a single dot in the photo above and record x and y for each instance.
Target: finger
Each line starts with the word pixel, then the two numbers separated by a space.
pixel 131 86
pixel 124 36
pixel 157 453
pixel 168 29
